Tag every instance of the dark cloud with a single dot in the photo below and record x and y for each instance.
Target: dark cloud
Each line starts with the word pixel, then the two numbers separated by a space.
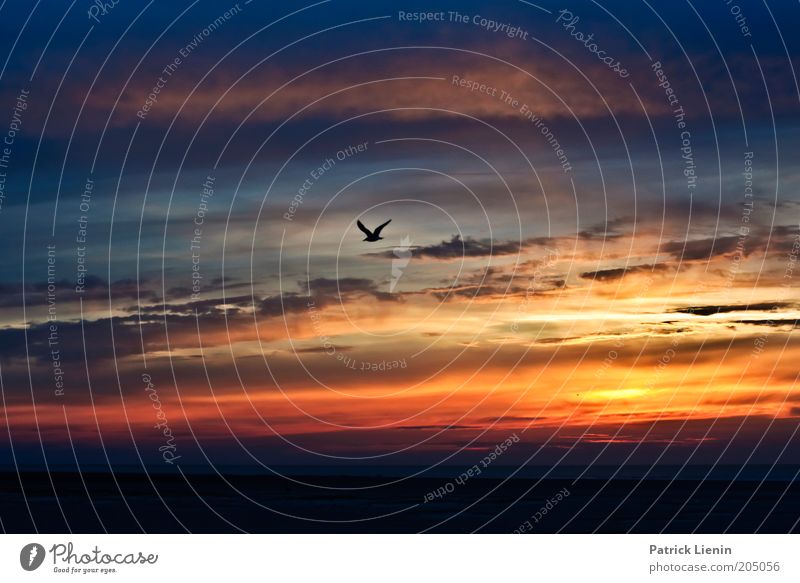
pixel 771 323
pixel 323 292
pixel 711 310
pixel 322 349
pixel 469 247
pixel 273 306
pixel 216 284
pixel 555 340
pixel 496 282
pixel 490 281
pixel 95 288
pixel 96 336
pixel 456 248
pixel 201 307
pixel 756 239
pixel 620 272
pixel 338 287
pixel 701 248
pixel 608 230
pixel 436 427
pixel 468 291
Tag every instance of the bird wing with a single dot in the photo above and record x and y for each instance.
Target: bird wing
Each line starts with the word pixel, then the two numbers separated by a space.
pixel 361 226
pixel 380 227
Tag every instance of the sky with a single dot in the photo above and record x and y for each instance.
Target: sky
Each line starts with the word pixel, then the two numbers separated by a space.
pixel 593 244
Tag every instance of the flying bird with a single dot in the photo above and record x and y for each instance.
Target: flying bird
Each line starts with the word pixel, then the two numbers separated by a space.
pixel 375 235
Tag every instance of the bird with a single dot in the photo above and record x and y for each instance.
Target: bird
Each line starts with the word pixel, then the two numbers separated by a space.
pixel 375 235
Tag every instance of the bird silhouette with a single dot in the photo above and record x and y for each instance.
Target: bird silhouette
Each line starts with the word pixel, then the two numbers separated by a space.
pixel 375 235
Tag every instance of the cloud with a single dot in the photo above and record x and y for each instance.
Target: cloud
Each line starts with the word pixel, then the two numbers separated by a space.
pixel 701 248
pixel 322 349
pixel 436 427
pixel 495 291
pixel 754 399
pixel 323 288
pixel 201 307
pixel 278 305
pixel 771 323
pixel 469 247
pixel 608 230
pixel 321 292
pixel 95 288
pixel 711 310
pixel 620 272
pixel 756 239
pixel 456 248
pixel 372 88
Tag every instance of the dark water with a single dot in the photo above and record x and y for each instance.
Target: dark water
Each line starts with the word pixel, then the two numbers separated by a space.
pixel 200 502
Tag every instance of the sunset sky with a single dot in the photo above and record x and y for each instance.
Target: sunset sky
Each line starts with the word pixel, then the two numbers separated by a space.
pixel 602 266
